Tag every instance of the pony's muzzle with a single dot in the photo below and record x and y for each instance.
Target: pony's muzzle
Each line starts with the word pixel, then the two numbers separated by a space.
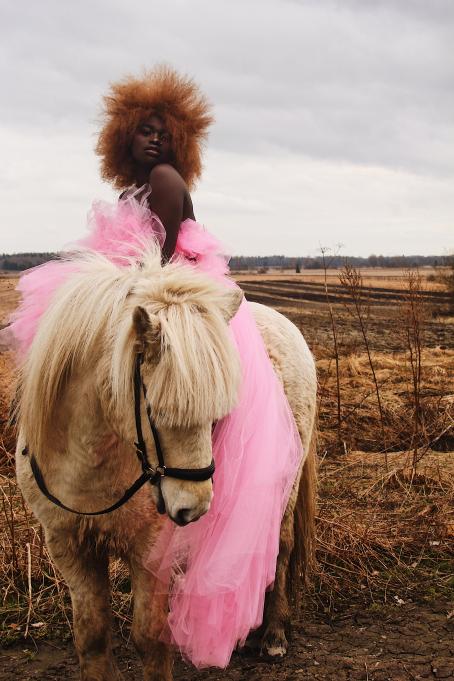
pixel 187 506
pixel 184 517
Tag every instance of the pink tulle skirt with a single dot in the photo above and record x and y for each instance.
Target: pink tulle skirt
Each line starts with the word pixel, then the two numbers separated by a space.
pixel 218 569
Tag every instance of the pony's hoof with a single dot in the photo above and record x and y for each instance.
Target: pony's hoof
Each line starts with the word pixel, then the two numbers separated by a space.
pixel 274 645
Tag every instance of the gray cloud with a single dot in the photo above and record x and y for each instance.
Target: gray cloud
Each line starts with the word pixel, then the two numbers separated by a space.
pixel 358 81
pixel 341 82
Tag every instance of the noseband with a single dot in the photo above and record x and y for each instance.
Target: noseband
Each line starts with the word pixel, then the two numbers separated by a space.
pixel 149 474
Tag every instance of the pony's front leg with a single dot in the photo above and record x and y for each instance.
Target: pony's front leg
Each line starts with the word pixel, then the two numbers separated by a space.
pixel 85 570
pixel 149 619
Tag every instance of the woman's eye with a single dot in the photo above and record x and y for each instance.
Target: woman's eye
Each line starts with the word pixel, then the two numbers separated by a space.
pixel 146 131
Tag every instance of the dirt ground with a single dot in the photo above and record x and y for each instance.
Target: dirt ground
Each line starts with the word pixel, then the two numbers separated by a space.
pixel 378 277
pixel 303 299
pixel 405 642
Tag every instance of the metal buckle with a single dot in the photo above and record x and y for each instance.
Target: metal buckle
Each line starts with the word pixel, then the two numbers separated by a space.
pixel 139 450
pixel 161 470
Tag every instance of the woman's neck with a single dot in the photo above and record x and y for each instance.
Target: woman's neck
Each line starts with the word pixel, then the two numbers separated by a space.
pixel 142 176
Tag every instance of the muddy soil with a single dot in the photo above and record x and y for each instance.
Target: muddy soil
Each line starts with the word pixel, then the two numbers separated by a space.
pixel 305 304
pixel 403 642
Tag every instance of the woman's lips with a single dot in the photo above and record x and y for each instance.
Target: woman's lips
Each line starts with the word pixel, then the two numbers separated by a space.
pixel 152 151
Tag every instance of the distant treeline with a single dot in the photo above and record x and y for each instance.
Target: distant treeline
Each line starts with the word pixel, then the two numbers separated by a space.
pixel 335 261
pixel 22 261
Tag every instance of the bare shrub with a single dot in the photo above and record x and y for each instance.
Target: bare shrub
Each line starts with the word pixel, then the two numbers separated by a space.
pixel 352 281
pixel 336 355
pixel 414 316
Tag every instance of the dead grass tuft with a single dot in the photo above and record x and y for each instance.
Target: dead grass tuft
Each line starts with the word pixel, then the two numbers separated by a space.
pixel 361 420
pixel 385 537
pixel 35 599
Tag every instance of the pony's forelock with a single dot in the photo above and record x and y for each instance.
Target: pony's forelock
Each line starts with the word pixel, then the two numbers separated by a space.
pixel 196 376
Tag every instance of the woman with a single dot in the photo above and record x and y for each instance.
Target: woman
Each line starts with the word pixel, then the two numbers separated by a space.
pixel 150 148
pixel 168 118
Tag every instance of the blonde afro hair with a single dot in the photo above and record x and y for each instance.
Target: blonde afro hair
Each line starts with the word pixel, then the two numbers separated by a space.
pixel 176 99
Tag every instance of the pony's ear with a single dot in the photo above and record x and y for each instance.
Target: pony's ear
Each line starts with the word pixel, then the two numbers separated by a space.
pixel 148 331
pixel 231 302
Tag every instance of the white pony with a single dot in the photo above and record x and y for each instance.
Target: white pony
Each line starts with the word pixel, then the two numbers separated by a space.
pixel 76 417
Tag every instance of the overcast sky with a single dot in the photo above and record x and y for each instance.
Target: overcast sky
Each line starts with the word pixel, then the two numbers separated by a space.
pixel 334 118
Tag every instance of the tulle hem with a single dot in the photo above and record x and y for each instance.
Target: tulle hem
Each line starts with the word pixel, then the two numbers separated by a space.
pixel 220 567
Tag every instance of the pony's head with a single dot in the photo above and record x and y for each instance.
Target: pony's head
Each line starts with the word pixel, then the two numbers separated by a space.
pixel 190 370
pixel 177 319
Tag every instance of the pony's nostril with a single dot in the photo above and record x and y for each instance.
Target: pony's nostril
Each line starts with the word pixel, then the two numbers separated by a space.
pixel 183 516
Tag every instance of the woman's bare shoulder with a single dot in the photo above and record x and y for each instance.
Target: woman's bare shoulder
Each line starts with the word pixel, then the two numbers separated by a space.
pixel 165 175
pixel 168 187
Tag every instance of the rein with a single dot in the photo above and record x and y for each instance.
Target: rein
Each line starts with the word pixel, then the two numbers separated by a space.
pixel 149 474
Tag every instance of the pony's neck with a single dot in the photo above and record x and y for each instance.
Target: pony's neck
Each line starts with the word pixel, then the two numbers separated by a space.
pixel 87 426
pixel 89 457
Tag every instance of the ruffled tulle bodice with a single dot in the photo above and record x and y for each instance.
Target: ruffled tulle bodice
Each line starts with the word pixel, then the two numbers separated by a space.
pixel 119 231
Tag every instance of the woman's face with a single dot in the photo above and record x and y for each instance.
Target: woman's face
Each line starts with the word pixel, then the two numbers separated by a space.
pixel 151 143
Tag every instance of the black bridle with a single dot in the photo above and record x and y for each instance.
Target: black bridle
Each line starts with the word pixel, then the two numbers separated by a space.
pixel 149 474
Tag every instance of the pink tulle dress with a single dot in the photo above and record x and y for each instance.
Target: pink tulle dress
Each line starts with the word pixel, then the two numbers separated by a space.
pixel 230 554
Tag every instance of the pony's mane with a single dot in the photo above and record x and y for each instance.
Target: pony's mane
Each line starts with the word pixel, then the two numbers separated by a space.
pixel 87 330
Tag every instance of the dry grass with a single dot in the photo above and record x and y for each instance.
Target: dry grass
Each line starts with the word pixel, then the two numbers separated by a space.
pixel 361 423
pixel 381 536
pixel 34 598
pixel 384 534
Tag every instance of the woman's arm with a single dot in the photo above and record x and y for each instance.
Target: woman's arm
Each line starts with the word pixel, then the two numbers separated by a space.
pixel 167 201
